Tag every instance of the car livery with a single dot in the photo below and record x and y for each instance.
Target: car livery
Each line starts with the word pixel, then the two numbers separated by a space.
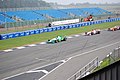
pixel 57 39
pixel 114 28
pixel 93 32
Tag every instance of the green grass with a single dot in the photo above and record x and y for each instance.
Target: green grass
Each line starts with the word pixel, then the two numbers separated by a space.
pixel 106 62
pixel 20 41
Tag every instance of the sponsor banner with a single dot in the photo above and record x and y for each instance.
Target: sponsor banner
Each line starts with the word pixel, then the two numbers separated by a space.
pixel 11 35
pixel 22 33
pixel 62 27
pixel 50 29
pixel 41 30
pixel 3 36
pixel 36 31
pixel 58 28
pixel 54 28
pixel 45 29
pixel 31 32
pixel 26 33
pixel 17 34
pixel 65 22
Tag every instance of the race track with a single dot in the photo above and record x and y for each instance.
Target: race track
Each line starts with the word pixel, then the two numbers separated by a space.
pixel 81 49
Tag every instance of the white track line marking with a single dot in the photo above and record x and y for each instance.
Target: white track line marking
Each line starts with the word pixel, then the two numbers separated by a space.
pixel 67 60
pixel 41 59
pixel 20 47
pixel 31 70
pixel 76 35
pixel 32 45
pixel 63 61
pixel 69 37
pixel 95 49
pixel 55 68
pixel 43 43
pixel 8 50
pixel 44 71
pixel 80 55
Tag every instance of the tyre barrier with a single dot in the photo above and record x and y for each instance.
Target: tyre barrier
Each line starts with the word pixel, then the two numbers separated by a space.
pixel 55 28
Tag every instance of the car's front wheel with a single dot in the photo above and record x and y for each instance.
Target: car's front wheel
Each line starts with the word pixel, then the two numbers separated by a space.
pixel 65 39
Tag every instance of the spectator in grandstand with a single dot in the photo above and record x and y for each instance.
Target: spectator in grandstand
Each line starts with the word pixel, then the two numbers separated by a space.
pixel 49 25
pixel 81 20
pixel 109 17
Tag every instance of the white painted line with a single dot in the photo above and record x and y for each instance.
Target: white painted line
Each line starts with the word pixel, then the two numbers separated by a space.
pixel 80 55
pixel 76 35
pixel 8 50
pixel 53 70
pixel 31 70
pixel 68 60
pixel 110 53
pixel 13 76
pixel 20 47
pixel 116 48
pixel 63 61
pixel 34 71
pixel 41 59
pixel 43 43
pixel 69 37
pixel 32 45
pixel 44 71
pixel 95 49
pixel 82 33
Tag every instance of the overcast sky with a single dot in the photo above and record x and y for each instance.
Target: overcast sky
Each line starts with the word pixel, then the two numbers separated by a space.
pixel 82 1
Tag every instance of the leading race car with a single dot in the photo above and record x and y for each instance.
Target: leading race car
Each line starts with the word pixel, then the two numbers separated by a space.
pixel 57 39
pixel 114 28
pixel 93 32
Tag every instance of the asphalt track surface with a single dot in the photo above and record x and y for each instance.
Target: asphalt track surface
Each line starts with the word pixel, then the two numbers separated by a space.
pixel 64 58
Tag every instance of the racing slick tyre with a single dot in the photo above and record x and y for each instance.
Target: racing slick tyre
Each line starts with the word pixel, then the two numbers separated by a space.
pixel 56 41
pixel 65 39
pixel 92 33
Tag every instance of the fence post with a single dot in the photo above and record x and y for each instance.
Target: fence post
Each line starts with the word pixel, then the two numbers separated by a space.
pixel 118 52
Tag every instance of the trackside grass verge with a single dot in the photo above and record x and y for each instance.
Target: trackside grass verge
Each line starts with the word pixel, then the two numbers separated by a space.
pixel 105 63
pixel 20 41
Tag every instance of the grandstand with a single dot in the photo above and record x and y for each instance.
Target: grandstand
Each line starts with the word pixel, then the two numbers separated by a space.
pixel 29 15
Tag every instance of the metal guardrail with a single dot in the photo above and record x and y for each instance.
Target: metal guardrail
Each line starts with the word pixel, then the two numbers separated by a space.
pixel 87 69
pixel 109 72
pixel 113 56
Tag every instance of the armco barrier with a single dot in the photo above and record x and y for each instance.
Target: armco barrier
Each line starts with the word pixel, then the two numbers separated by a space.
pixel 22 34
pixel 3 36
pixel 37 31
pixel 17 34
pixel 50 29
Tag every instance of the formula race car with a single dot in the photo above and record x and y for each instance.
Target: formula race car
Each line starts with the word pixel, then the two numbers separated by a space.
pixel 114 28
pixel 57 39
pixel 93 32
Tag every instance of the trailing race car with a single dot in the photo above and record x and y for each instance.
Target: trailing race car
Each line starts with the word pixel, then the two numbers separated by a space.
pixel 57 39
pixel 114 28
pixel 93 32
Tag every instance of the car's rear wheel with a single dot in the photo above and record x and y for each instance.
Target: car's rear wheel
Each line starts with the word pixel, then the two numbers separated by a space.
pixel 56 41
